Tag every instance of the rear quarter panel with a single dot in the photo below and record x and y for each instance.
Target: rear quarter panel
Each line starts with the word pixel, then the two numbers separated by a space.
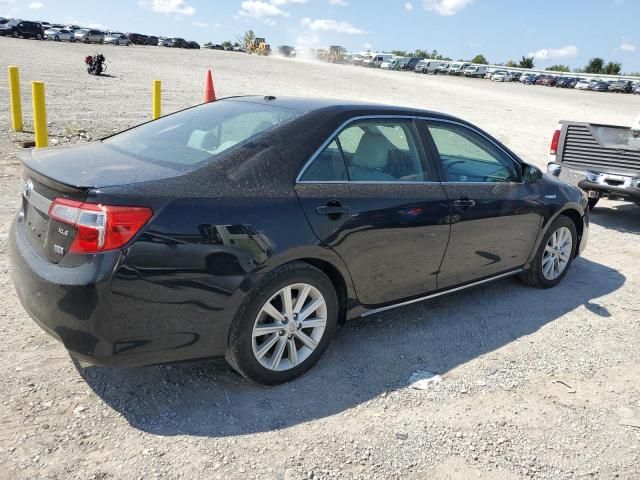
pixel 191 268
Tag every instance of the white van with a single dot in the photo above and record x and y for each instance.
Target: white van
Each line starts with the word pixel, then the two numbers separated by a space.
pixel 428 66
pixel 377 60
pixel 475 71
pixel 457 68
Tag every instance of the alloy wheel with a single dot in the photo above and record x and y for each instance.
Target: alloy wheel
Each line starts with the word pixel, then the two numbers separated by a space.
pixel 557 253
pixel 289 327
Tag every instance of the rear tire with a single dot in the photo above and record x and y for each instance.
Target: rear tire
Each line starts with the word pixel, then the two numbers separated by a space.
pixel 260 356
pixel 548 256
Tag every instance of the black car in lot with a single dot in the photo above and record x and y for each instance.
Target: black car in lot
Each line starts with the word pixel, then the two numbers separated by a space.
pixel 566 82
pixel 251 227
pixel 152 40
pixel 411 64
pixel 22 28
pixel 138 38
pixel 180 43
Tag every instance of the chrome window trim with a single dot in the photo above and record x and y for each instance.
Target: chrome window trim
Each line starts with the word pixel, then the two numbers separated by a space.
pixel 344 124
pixel 444 292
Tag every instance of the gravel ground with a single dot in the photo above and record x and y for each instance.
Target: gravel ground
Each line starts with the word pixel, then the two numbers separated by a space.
pixel 535 384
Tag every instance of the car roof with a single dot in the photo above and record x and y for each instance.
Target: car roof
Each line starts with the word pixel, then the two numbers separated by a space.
pixel 308 105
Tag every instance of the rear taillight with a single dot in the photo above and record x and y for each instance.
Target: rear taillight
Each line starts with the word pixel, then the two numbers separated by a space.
pixel 554 142
pixel 99 227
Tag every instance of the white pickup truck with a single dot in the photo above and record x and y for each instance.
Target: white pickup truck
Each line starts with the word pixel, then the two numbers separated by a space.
pixel 603 160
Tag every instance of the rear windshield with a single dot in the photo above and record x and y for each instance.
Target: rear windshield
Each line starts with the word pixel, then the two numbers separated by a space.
pixel 195 136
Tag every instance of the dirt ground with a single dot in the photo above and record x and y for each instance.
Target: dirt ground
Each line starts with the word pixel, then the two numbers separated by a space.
pixel 535 384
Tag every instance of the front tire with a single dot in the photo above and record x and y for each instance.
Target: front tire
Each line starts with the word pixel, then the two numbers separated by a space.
pixel 285 324
pixel 555 255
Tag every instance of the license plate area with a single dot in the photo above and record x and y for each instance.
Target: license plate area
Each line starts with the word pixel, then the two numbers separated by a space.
pixel 49 237
pixel 36 224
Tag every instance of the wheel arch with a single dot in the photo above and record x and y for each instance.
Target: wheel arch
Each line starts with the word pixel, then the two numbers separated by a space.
pixel 575 213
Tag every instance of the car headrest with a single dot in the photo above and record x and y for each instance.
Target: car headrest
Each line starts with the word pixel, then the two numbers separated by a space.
pixel 372 151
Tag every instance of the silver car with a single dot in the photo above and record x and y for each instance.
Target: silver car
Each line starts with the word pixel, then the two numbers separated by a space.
pixel 87 35
pixel 59 35
pixel 501 76
pixel 117 38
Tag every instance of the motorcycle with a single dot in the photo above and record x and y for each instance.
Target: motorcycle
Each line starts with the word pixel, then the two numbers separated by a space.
pixel 96 64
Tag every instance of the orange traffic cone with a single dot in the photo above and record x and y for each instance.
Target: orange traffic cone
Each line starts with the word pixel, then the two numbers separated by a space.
pixel 209 92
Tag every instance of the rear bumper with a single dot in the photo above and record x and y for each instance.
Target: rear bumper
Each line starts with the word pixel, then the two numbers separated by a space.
pixel 597 183
pixel 75 301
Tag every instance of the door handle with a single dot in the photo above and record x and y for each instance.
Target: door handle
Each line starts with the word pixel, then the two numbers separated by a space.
pixel 333 208
pixel 464 203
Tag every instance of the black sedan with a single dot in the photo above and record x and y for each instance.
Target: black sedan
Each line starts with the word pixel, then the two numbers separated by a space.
pixel 251 227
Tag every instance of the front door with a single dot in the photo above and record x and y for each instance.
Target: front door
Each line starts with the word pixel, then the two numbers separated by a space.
pixel 370 196
pixel 495 216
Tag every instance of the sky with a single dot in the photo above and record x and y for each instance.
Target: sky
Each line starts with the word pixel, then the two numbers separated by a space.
pixel 569 32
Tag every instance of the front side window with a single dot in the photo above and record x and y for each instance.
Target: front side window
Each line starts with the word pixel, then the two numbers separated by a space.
pixel 467 156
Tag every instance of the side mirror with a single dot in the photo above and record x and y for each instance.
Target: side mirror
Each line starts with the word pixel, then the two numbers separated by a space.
pixel 531 174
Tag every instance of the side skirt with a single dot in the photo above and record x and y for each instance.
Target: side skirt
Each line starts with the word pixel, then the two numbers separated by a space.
pixel 443 292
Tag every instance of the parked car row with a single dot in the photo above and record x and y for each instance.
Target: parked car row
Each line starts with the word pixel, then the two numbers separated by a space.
pixel 18 28
pixel 387 61
pixel 596 85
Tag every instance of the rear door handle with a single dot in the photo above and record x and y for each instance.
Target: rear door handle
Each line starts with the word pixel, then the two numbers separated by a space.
pixel 333 208
pixel 464 202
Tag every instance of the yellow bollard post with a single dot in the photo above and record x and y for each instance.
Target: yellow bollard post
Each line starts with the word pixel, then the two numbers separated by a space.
pixel 157 92
pixel 16 102
pixel 39 114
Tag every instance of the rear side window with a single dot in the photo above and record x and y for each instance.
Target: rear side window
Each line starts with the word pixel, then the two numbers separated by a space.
pixel 467 156
pixel 372 151
pixel 328 166
pixel 198 135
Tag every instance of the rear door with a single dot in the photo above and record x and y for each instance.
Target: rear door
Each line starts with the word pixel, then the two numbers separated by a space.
pixel 370 195
pixel 495 216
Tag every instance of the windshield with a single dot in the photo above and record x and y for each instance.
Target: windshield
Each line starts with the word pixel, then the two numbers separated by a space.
pixel 198 135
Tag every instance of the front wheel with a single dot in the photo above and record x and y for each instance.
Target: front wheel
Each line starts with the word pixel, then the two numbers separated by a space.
pixel 284 325
pixel 554 256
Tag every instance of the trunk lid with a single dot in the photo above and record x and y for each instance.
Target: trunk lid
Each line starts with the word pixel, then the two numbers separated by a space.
pixel 94 165
pixel 70 172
